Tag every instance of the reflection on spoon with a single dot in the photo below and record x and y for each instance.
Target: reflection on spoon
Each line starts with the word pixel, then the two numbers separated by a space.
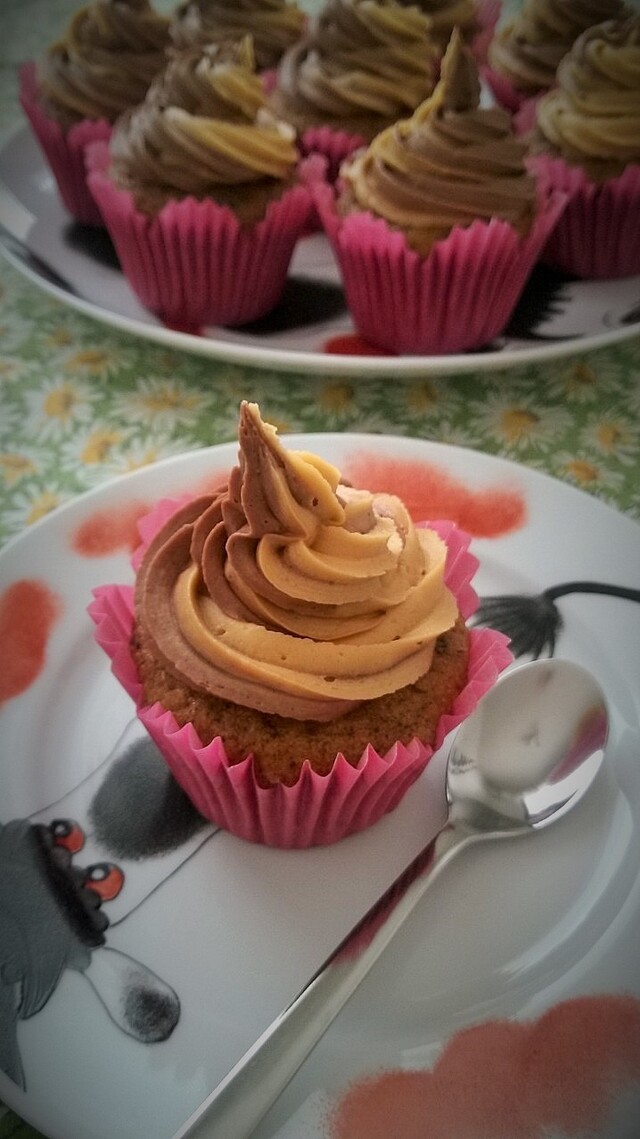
pixel 529 752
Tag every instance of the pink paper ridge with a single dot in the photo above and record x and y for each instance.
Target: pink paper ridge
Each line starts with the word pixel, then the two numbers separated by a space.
pixel 65 151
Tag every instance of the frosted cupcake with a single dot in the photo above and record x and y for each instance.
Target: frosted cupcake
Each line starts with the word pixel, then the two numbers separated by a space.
pixel 200 192
pixel 297 648
pixel 102 65
pixel 587 142
pixel 274 26
pixel 437 223
pixel 363 64
pixel 524 55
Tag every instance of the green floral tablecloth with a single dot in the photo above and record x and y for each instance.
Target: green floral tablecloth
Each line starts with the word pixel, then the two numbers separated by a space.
pixel 80 402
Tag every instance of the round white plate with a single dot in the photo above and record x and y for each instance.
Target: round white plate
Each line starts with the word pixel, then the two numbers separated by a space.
pixel 220 934
pixel 77 264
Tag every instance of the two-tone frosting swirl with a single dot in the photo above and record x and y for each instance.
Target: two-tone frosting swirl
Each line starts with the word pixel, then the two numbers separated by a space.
pixel 450 163
pixel 291 593
pixel 105 62
pixel 592 118
pixel 204 130
pixel 528 49
pixel 445 15
pixel 274 25
pixel 364 64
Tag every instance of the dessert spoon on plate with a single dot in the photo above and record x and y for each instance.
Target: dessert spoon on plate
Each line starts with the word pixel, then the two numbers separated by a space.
pixel 525 757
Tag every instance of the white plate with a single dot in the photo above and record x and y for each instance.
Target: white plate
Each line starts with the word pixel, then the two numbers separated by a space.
pixel 77 264
pixel 232 931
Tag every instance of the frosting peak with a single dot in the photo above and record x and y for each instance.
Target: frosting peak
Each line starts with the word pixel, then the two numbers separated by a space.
pixel 290 592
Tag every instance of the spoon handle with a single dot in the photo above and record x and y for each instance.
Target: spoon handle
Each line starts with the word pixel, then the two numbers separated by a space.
pixel 239 1102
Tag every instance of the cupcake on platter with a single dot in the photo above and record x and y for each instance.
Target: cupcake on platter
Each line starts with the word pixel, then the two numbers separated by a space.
pixel 102 65
pixel 296 648
pixel 200 190
pixel 586 141
pixel 524 54
pixel 274 26
pixel 437 224
pixel 362 65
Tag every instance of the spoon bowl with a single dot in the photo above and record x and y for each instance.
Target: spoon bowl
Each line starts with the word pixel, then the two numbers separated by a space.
pixel 525 757
pixel 529 752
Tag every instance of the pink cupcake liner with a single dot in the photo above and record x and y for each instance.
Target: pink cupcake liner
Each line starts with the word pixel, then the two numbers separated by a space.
pixel 458 298
pixel 318 809
pixel 525 118
pixel 598 234
pixel 503 90
pixel 194 264
pixel 333 145
pixel 64 150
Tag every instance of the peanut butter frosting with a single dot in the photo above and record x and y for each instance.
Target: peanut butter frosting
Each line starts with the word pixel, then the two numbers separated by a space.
pixel 274 25
pixel 364 64
pixel 291 593
pixel 449 164
pixel 592 118
pixel 204 130
pixel 104 63
pixel 528 49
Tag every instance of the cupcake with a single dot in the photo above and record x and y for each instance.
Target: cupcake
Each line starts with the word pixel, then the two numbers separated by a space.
pixel 523 56
pixel 362 65
pixel 274 25
pixel 437 224
pixel 200 191
pixel 103 64
pixel 296 648
pixel 586 141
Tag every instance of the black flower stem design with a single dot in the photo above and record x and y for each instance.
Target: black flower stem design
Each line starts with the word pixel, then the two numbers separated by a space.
pixel 533 622
pixel 600 587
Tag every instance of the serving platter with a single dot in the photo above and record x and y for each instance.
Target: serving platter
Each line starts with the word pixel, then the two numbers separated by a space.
pixel 311 329
pixel 120 1020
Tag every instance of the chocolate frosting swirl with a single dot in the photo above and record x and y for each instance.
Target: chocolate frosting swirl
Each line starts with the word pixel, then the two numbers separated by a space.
pixel 529 48
pixel 450 163
pixel 104 63
pixel 592 118
pixel 445 15
pixel 204 129
pixel 363 65
pixel 291 593
pixel 274 25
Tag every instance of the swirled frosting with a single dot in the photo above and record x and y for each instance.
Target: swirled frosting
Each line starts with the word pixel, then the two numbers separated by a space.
pixel 274 25
pixel 204 130
pixel 104 63
pixel 291 593
pixel 592 118
pixel 528 49
pixel 445 15
pixel 450 163
pixel 364 64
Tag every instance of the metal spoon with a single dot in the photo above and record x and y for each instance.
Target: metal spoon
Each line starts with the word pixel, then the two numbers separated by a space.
pixel 527 754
